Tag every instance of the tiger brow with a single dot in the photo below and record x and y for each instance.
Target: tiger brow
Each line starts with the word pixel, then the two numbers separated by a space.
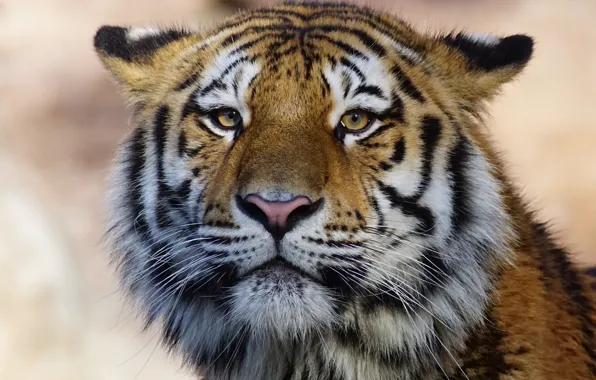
pixel 352 67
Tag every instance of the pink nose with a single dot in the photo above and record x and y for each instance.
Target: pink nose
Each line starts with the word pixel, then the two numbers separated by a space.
pixel 277 212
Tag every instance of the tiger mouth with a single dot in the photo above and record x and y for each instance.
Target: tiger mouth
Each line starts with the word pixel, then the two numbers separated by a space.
pixel 280 266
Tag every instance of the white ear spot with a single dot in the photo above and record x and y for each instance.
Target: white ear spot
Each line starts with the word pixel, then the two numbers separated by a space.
pixel 135 34
pixel 484 39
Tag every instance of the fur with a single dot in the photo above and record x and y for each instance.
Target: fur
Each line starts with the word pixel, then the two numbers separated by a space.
pixel 419 260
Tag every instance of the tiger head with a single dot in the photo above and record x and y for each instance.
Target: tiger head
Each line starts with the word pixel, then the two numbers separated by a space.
pixel 306 174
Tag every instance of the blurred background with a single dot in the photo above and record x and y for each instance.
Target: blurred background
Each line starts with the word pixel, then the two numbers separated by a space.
pixel 62 315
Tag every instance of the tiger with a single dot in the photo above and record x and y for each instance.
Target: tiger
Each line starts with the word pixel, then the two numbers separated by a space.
pixel 310 192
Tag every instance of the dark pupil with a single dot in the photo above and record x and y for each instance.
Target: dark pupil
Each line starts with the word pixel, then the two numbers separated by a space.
pixel 231 115
pixel 355 118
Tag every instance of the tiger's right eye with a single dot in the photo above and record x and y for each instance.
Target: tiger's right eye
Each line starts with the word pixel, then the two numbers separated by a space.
pixel 226 118
pixel 356 121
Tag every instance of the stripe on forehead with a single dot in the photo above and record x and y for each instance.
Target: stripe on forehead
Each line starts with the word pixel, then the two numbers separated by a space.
pixel 376 33
pixel 244 40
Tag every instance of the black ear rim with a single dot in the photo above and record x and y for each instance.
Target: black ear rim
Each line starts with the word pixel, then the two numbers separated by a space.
pixel 112 41
pixel 515 50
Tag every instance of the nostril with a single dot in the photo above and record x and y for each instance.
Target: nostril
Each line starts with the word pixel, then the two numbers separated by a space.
pixel 302 212
pixel 252 210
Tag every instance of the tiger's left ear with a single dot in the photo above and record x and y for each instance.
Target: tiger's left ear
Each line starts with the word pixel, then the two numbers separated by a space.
pixel 478 65
pixel 137 56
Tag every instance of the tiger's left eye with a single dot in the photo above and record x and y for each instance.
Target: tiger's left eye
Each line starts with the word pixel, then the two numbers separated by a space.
pixel 226 118
pixel 356 120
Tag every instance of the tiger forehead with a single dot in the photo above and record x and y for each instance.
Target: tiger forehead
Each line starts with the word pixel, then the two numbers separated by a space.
pixel 313 33
pixel 301 62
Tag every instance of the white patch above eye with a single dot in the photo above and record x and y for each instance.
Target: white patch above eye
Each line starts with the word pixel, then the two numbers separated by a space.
pixel 138 33
pixel 484 39
pixel 224 85
pixel 359 72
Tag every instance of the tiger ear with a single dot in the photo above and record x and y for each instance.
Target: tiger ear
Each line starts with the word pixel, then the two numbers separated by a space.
pixel 479 65
pixel 136 56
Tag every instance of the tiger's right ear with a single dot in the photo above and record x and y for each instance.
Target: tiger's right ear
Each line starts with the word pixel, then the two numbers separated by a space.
pixel 137 56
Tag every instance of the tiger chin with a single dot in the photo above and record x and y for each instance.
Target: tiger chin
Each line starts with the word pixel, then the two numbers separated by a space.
pixel 309 193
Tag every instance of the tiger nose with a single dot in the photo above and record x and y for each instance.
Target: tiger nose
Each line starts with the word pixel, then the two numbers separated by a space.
pixel 277 217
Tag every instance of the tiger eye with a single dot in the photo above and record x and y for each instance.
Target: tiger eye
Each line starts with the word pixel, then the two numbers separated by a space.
pixel 355 120
pixel 228 118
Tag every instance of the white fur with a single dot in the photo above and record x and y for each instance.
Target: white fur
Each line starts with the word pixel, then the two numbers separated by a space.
pixel 139 33
pixel 484 39
pixel 375 74
pixel 219 98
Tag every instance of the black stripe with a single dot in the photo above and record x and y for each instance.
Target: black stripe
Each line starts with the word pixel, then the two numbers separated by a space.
pixel 375 204
pixel 326 88
pixel 434 271
pixel 216 84
pixel 410 207
pixel 352 67
pixel 274 58
pixel 343 280
pixel 253 30
pixel 218 277
pixel 395 111
pixel 364 37
pixel 181 143
pixel 406 84
pixel 431 132
pixel 136 163
pixel 370 19
pixel 399 151
pixel 460 184
pixel 284 38
pixel 370 90
pixel 192 108
pixel 232 66
pixel 159 141
pixel 346 84
pixel 385 166
pixel 222 240
pixel 335 243
pixel 274 47
pixel 340 45
pixel 188 82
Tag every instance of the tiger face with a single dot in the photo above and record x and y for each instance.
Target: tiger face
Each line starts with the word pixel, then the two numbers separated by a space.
pixel 304 174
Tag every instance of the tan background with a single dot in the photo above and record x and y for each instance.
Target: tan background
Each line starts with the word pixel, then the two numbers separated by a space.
pixel 61 314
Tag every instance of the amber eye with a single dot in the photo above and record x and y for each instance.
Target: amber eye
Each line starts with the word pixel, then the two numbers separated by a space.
pixel 226 118
pixel 356 120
